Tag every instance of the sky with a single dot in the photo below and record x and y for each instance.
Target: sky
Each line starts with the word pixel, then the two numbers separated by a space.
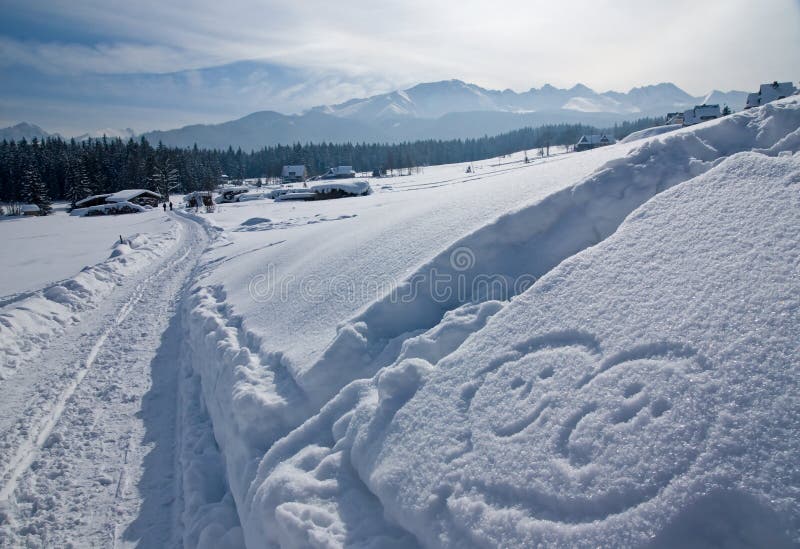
pixel 73 67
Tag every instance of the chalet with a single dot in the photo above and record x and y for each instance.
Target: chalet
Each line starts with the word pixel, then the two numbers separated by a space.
pixel 701 113
pixel 674 118
pixel 587 142
pixel 94 200
pixel 30 209
pixel 293 174
pixel 770 92
pixel 140 197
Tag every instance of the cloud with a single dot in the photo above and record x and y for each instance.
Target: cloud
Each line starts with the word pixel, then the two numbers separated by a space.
pixel 270 54
pixel 115 58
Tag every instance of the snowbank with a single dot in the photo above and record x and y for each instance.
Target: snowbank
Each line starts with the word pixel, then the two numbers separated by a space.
pixel 355 188
pixel 116 208
pixel 638 393
pixel 295 195
pixel 637 387
pixel 27 324
pixel 651 132
pixel 370 462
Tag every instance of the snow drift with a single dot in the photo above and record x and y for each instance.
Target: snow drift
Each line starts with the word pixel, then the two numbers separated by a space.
pixel 26 325
pixel 605 404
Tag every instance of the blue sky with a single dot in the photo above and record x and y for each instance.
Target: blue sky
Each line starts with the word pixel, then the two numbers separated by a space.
pixel 76 67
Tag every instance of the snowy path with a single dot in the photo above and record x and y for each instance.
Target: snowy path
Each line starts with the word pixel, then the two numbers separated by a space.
pixel 88 432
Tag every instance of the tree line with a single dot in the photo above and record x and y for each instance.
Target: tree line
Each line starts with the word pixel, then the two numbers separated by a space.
pixel 39 171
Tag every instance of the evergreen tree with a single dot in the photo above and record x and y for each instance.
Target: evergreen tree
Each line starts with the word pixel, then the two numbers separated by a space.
pixel 34 191
pixel 77 183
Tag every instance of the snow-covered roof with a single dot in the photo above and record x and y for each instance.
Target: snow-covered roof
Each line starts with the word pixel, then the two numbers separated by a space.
pixel 752 100
pixel 595 139
pixel 25 208
pixel 344 185
pixel 701 113
pixel 707 110
pixel 234 190
pixel 130 194
pixel 776 90
pixel 293 170
pixel 91 199
pixel 303 195
pixel 108 209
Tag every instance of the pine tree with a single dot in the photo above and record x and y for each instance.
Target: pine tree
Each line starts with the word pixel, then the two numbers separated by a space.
pixel 34 191
pixel 77 184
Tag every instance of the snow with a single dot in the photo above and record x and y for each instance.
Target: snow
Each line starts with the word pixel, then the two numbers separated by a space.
pixel 105 439
pixel 79 203
pixel 650 132
pixel 584 415
pixel 29 320
pixel 347 186
pixel 577 379
pixel 295 195
pixel 43 250
pixel 593 349
pixel 129 194
pixel 115 208
pixel 28 208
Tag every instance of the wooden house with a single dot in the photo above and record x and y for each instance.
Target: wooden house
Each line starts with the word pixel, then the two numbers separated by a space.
pixel 593 141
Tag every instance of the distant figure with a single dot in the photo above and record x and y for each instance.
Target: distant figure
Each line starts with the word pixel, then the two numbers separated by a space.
pixel 165 206
pixel 170 205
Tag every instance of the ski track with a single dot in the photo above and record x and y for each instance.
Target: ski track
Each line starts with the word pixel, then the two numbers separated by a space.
pixel 89 447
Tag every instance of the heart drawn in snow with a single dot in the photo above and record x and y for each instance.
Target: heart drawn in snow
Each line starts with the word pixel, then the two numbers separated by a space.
pixel 564 433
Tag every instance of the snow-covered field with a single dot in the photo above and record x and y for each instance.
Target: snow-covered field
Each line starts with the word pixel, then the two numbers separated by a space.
pixel 42 250
pixel 591 349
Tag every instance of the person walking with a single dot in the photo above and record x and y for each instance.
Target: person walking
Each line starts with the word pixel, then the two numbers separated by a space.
pixel 164 205
pixel 170 205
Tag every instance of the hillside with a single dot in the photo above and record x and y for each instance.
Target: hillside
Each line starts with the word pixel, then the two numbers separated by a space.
pixel 594 349
pixel 439 110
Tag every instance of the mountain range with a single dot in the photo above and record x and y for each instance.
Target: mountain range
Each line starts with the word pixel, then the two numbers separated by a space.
pixel 436 110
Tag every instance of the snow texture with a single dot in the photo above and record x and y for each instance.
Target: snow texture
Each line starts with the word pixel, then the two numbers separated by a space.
pixel 43 250
pixel 29 321
pixel 647 377
pixel 356 188
pixel 650 132
pixel 119 207
pixel 129 194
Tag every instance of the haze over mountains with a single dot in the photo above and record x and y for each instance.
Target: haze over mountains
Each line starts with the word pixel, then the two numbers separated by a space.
pixel 437 110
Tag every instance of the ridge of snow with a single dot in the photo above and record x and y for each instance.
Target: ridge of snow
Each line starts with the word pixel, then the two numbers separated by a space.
pixel 27 324
pixel 256 398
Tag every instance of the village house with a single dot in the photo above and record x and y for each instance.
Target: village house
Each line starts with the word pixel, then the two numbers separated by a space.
pixel 293 174
pixel 587 142
pixel 701 113
pixel 94 200
pixel 674 118
pixel 30 209
pixel 140 197
pixel 770 92
pixel 339 172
